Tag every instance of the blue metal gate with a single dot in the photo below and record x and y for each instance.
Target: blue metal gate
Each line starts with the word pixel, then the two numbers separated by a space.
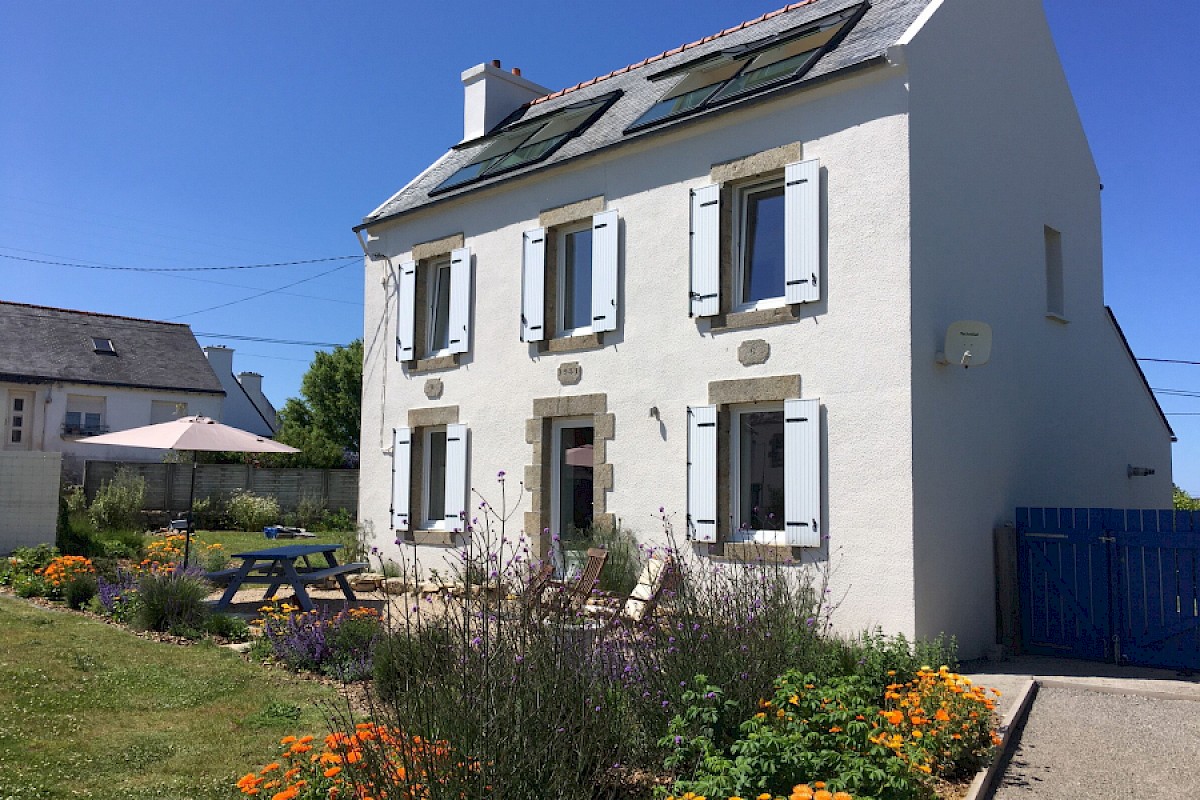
pixel 1111 584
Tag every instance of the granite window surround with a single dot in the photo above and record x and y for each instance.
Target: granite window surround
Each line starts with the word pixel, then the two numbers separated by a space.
pixel 554 221
pixel 538 434
pixel 725 395
pixel 427 255
pixel 420 420
pixel 732 176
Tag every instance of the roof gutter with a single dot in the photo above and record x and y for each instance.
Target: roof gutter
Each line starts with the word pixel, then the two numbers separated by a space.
pixel 875 61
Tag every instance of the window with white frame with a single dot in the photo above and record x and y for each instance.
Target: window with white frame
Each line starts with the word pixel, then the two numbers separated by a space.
pixel 433 306
pixel 774 473
pixel 774 240
pixel 759 272
pixel 437 293
pixel 429 478
pixel 574 292
pixel 573 308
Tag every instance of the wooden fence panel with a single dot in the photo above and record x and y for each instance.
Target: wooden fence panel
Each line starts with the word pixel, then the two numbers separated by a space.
pixel 167 485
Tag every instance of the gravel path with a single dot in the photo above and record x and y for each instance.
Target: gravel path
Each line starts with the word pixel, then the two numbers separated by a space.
pixel 1083 745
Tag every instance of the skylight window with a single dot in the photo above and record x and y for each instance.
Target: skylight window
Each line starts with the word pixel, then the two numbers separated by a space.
pixel 738 72
pixel 528 142
pixel 104 346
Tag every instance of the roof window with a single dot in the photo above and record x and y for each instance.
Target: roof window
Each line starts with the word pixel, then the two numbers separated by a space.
pixel 528 142
pixel 734 73
pixel 104 346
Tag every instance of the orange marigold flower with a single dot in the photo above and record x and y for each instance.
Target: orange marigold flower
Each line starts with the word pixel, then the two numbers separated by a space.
pixel 823 795
pixel 332 771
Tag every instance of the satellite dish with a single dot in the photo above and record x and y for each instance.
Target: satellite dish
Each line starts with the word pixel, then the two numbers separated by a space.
pixel 968 344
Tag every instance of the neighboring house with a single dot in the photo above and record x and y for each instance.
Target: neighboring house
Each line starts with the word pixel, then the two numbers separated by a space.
pixel 717 282
pixel 246 406
pixel 66 375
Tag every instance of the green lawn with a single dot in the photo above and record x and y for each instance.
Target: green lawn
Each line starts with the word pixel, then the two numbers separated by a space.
pixel 241 541
pixel 91 710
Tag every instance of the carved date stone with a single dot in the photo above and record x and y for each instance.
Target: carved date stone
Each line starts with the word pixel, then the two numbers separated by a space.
pixel 754 351
pixel 434 388
pixel 570 373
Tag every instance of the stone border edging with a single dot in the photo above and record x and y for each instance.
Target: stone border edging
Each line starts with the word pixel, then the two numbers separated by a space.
pixel 984 785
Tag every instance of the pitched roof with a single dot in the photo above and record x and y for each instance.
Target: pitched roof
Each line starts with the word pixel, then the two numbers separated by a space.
pixel 883 24
pixel 39 344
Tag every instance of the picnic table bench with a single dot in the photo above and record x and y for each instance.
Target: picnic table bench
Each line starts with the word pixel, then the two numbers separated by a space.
pixel 274 567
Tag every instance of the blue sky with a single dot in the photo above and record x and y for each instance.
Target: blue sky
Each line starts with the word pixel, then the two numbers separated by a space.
pixel 151 134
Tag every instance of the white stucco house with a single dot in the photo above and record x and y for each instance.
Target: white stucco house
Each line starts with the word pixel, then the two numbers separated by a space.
pixel 66 375
pixel 245 405
pixel 717 281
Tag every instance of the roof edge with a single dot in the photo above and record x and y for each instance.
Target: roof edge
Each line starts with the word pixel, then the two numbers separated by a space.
pixel 1133 360
pixel 93 314
pixel 12 377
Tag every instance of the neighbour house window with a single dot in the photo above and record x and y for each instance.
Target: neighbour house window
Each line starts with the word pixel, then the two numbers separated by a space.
pixel 737 72
pixel 772 235
pixel 528 142
pixel 84 416
pixel 773 493
pixel 103 346
pixel 1055 300
pixel 433 308
pixel 569 279
pixel 429 477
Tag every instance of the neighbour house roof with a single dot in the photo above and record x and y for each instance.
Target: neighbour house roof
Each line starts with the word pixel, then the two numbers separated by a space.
pixel 638 87
pixel 39 344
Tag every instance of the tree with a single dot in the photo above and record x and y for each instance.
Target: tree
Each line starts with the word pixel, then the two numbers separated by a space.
pixel 1184 501
pixel 324 421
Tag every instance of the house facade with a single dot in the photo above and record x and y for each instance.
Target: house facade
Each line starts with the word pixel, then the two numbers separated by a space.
pixel 245 405
pixel 717 282
pixel 66 375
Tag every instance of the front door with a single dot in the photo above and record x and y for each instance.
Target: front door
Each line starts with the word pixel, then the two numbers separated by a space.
pixel 571 490
pixel 19 431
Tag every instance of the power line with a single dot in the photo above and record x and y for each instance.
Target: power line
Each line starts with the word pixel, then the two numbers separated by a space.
pixel 115 268
pixel 1177 392
pixel 260 294
pixel 265 340
pixel 1171 361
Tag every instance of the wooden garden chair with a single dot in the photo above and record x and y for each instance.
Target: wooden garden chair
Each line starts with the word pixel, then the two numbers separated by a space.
pixel 659 578
pixel 574 597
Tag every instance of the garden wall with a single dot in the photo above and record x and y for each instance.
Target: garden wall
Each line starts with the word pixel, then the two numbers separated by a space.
pixel 167 484
pixel 28 499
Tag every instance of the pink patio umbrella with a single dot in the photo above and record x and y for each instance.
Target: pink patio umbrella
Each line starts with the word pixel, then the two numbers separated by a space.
pixel 192 434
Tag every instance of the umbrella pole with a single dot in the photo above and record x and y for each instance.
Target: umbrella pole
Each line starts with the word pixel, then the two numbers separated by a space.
pixel 187 538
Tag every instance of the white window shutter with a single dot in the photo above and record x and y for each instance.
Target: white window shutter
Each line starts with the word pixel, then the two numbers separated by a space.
pixel 705 292
pixel 604 271
pixel 460 300
pixel 406 305
pixel 401 477
pixel 456 477
pixel 702 473
pixel 802 226
pixel 533 286
pixel 802 472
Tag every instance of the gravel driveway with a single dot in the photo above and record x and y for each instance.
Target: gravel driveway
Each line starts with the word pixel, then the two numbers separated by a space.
pixel 1084 745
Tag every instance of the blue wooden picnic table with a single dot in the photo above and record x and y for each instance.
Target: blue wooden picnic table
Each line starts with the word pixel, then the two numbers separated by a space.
pixel 276 566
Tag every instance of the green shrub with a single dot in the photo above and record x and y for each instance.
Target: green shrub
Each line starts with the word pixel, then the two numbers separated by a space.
pixel 229 627
pixel 171 600
pixel 76 499
pixel 878 657
pixel 338 519
pixel 25 561
pixel 121 544
pixel 809 730
pixel 209 513
pixel 118 503
pixel 251 512
pixel 27 585
pixel 309 513
pixel 79 590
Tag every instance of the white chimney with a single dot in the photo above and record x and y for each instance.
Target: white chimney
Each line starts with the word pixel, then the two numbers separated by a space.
pixel 220 358
pixel 491 94
pixel 252 383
